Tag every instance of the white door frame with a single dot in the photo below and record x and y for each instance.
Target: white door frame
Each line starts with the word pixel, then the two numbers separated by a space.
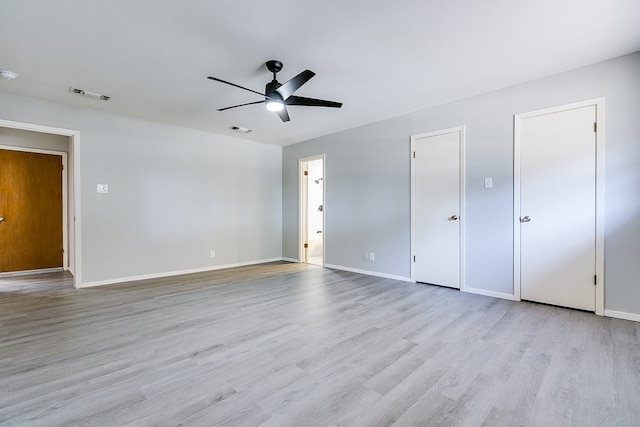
pixel 302 201
pixel 71 192
pixel 599 261
pixel 461 130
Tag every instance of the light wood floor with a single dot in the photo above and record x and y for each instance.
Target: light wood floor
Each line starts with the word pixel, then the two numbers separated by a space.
pixel 292 345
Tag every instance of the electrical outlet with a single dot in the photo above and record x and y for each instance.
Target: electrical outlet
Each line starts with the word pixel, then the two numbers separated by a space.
pixel 372 256
pixel 213 254
pixel 102 188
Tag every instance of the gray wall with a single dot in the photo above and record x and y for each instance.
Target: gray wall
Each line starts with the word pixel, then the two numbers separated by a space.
pixel 367 180
pixel 174 193
pixel 26 139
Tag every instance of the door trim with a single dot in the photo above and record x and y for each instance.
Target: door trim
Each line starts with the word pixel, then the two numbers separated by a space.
pixel 461 240
pixel 73 192
pixel 600 141
pixel 65 197
pixel 301 202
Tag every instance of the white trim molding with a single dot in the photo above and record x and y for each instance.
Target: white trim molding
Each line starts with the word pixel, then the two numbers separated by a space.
pixel 489 293
pixel 622 315
pixel 174 273
pixel 369 273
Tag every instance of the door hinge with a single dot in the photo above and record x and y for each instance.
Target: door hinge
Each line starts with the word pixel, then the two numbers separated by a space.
pixel 306 173
pixel 414 154
pixel 414 258
pixel 595 279
pixel 306 246
pixel 595 126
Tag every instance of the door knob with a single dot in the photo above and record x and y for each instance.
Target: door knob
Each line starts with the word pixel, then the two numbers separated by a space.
pixel 1 219
pixel 525 219
pixel 453 218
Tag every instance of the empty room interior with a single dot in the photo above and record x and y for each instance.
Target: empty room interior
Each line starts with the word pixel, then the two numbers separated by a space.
pixel 293 213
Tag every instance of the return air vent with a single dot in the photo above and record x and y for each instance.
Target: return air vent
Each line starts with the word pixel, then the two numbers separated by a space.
pixel 92 95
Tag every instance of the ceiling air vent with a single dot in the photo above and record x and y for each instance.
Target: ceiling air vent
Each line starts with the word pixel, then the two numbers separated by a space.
pixel 240 129
pixel 92 95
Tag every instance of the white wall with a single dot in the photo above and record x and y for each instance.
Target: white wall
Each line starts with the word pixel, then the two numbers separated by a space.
pixel 367 181
pixel 175 194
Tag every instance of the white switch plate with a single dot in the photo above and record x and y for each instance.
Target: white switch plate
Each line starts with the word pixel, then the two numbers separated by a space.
pixel 372 256
pixel 102 188
pixel 488 183
pixel 213 254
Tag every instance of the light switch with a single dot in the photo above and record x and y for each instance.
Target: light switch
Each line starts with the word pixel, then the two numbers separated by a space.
pixel 102 188
pixel 488 183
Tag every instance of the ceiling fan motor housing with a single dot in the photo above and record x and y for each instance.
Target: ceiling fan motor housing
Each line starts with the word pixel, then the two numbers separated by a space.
pixel 270 90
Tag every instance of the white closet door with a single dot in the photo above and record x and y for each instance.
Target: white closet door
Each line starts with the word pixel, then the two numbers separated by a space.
pixel 558 208
pixel 437 209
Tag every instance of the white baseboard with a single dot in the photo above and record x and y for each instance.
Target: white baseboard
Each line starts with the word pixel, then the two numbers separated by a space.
pixel 370 273
pixel 174 273
pixel 28 272
pixel 489 293
pixel 290 259
pixel 622 315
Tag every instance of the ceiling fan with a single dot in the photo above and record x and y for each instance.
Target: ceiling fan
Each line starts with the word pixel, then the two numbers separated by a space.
pixel 277 96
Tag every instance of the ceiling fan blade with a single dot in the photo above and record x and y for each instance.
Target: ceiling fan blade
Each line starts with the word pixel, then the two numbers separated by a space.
pixel 287 89
pixel 311 102
pixel 241 105
pixel 233 84
pixel 284 115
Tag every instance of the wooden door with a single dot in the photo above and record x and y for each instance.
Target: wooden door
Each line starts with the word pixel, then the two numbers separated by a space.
pixel 31 208
pixel 437 208
pixel 557 222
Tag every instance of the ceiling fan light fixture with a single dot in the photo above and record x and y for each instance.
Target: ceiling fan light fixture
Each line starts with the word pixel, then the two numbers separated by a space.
pixel 274 105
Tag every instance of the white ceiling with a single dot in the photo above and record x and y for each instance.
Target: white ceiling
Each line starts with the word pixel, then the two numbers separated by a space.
pixel 380 58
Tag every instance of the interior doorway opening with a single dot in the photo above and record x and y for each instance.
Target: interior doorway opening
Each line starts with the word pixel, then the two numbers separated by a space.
pixel 71 186
pixel 312 210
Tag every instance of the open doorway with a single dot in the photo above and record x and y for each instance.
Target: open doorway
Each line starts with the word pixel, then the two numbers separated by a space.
pixel 23 137
pixel 312 210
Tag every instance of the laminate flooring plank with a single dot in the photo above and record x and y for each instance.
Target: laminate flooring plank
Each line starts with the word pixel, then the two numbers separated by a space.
pixel 392 406
pixel 520 393
pixel 626 376
pixel 284 344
